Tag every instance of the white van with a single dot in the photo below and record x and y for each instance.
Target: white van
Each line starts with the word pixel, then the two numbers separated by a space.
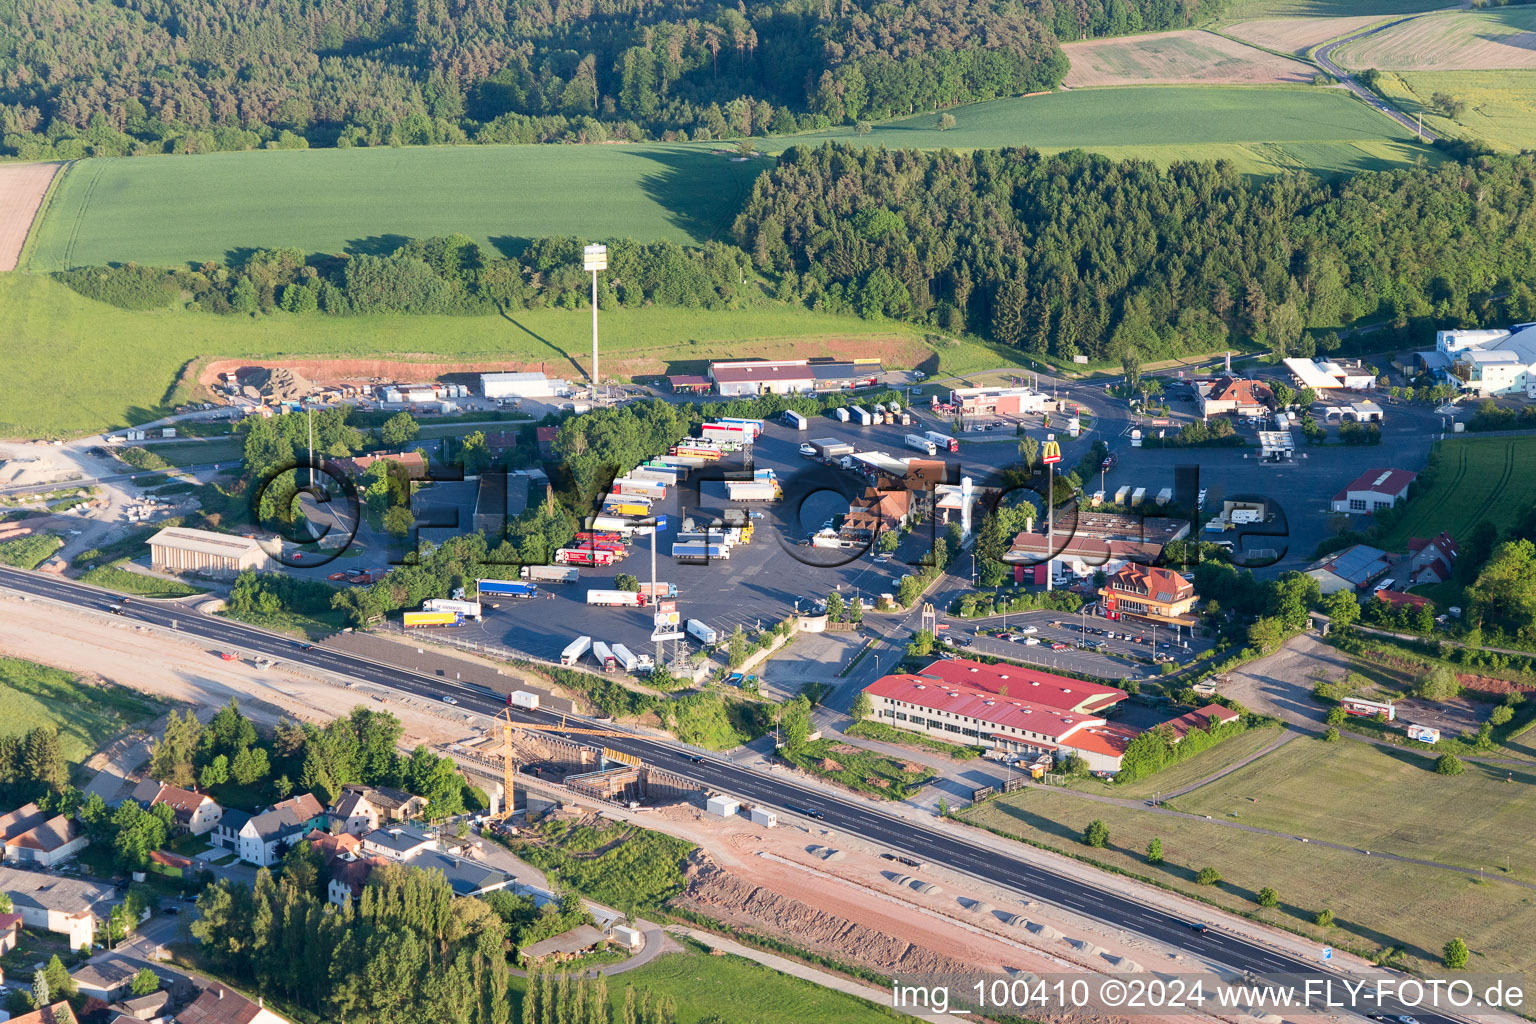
pixel 1386 584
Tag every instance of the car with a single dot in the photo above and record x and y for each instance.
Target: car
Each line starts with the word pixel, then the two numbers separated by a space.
pixel 964 641
pixel 695 758
pixel 1029 629
pixel 1003 636
pixel 337 577
pixel 1198 928
pixel 1404 1018
pixel 811 812
pixel 228 656
pixel 305 647
pixel 172 911
pixel 1030 641
pixel 450 699
pixel 1058 646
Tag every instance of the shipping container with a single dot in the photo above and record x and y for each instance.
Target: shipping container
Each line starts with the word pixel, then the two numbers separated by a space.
pixel 862 415
pixel 575 649
pixel 763 816
pixel 468 609
pixel 414 619
pixel 1138 495
pixel 699 631
pixel 506 588
pixel 616 598
pixel 831 447
pixel 1164 496
pixel 756 425
pixel 604 656
pixel 795 420
pixel 922 444
pixel 524 699
pixel 1122 494
pixel 626 660
pixel 549 573
pixel 943 441
pixel 723 806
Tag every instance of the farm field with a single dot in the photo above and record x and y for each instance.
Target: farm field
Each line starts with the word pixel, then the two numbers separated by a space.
pixel 1254 9
pixel 1263 129
pixel 125 366
pixel 1366 894
pixel 22 188
pixel 1355 793
pixel 1296 35
pixel 1479 478
pixel 87 716
pixel 1458 41
pixel 1501 105
pixel 1170 57
pixel 170 210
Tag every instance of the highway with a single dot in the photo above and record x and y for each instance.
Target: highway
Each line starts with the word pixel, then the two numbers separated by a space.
pixel 949 848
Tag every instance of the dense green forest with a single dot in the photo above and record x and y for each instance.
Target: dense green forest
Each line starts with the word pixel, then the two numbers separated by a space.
pixel 149 76
pixel 1077 254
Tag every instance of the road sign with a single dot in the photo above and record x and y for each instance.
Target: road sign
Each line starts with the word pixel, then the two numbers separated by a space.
pixel 1327 952
pixel 1051 453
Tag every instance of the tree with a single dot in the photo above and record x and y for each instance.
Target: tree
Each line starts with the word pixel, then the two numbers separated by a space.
pixel 626 581
pixel 1331 734
pixel 1501 715
pixel 1439 684
pixel 1208 876
pixel 795 722
pixel 1324 918
pixel 1155 851
pixel 1266 634
pixel 474 455
pixel 863 127
pixel 1029 450
pixel 1341 608
pixel 145 982
pixel 1269 899
pixel 889 540
pixel 1449 764
pixel 399 430
pixel 862 707
pixel 250 766
pixel 736 648
pixel 214 773
pixel 398 521
pixel 835 606
pixel 60 984
pixel 946 122
pixel 1096 834
pixel 921 645
pixel 43 761
pixel 41 994
pixel 1455 955
pixel 1337 715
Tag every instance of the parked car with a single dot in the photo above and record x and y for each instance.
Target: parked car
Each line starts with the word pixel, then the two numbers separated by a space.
pixel 1029 629
pixel 1030 641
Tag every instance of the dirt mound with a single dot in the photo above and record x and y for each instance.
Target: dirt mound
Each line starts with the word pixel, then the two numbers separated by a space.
pixel 913 768
pixel 829 765
pixel 1487 684
pixel 734 900
pixel 881 783
pixel 280 384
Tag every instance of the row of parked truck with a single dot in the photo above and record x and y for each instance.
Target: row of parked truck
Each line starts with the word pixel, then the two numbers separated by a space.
pixel 610 657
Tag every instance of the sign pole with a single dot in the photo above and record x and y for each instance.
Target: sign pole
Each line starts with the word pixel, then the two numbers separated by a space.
pixel 1051 454
pixel 593 259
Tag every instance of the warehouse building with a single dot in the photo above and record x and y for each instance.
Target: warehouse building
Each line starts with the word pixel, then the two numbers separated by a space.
pixel 1353 569
pixel 1372 490
pixel 1329 374
pixel 1491 362
pixel 179 549
pixel 1097 540
pixel 792 376
pixel 1007 708
pixel 522 385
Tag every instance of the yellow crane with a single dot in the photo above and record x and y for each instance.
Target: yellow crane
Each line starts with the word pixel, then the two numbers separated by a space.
pixel 509 763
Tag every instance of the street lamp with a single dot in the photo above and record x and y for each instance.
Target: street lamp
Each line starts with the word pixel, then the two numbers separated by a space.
pixel 593 259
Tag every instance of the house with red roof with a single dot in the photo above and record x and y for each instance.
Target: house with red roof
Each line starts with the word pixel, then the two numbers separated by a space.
pixel 1431 559
pixel 195 812
pixel 1007 708
pixel 1399 599
pixel 1150 593
pixel 10 932
pixel 1235 395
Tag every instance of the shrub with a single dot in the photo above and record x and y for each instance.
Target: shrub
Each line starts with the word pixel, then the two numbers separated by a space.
pixel 1331 736
pixel 1208 876
pixel 1269 899
pixel 1324 918
pixel 1096 834
pixel 1449 764
pixel 1155 851
pixel 1455 954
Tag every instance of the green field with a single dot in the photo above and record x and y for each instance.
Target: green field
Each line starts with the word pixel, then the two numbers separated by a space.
pixel 1454 41
pixel 1263 129
pixel 123 366
pixel 1501 105
pixel 1202 765
pixel 1376 902
pixel 1385 800
pixel 169 210
pixel 1479 478
pixel 86 716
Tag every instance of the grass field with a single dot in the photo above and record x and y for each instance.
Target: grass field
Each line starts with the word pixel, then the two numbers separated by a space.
pixel 170 210
pixel 30 551
pixel 1242 9
pixel 1479 478
pixel 1504 38
pixel 115 577
pixel 1202 765
pixel 1376 902
pixel 1167 57
pixel 1356 793
pixel 1263 129
pixel 1295 35
pixel 86 716
pixel 1501 105
pixel 123 365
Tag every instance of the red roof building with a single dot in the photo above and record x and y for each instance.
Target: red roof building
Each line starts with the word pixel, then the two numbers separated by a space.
pixel 1399 599
pixel 1431 559
pixel 1374 489
pixel 1200 718
pixel 1237 395
pixel 546 439
pixel 1150 593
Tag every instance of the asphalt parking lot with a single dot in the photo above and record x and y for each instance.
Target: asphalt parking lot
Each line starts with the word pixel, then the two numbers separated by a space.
pixel 1112 663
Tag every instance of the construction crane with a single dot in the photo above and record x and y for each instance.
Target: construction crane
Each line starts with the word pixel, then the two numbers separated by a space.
pixel 508 762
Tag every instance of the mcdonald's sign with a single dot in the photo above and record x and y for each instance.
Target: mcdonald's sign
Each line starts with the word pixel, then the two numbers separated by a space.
pixel 1051 453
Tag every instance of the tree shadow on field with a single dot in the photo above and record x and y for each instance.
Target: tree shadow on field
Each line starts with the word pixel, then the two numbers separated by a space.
pixel 511 247
pixel 558 352
pixel 701 190
pixel 375 245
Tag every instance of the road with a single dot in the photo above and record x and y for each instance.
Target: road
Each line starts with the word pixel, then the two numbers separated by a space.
pixel 1324 57
pixel 938 845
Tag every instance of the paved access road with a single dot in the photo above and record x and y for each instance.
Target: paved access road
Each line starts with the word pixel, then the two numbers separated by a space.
pixel 857 817
pixel 1324 56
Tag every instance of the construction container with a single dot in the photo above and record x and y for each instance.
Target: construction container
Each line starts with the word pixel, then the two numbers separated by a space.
pixel 763 816
pixel 724 806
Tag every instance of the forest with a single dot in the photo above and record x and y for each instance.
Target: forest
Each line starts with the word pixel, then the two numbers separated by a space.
pixel 1076 254
pixel 186 76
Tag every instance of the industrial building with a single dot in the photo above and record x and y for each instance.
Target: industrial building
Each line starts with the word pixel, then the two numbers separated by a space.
pixel 1353 569
pixel 1492 362
pixel 1150 594
pixel 1097 540
pixel 522 385
pixel 999 401
pixel 789 376
pixel 1007 708
pixel 1328 375
pixel 1372 490
pixel 179 549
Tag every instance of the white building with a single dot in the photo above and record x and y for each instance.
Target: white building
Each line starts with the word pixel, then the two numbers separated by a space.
pixel 66 906
pixel 1373 490
pixel 1495 362
pixel 522 385
pixel 1327 374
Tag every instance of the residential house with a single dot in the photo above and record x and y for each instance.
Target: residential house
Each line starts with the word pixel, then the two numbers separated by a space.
pixel 348 876
pixel 546 439
pixel 1400 599
pixel 1431 559
pixel 1200 718
pixel 1352 569
pixel 58 1013
pixel 196 812
pixel 23 819
pixel 398 842
pixel 362 809
pixel 108 978
pixel 67 906
pixel 877 511
pixel 53 842
pixel 220 1005
pixel 1235 395
pixel 1373 490
pixel 146 1007
pixel 466 878
pixel 412 463
pixel 265 838
pixel 1149 593
pixel 10 932
pixel 226 832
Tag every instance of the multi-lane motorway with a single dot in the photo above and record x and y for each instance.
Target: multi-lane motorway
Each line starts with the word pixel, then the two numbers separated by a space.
pixel 950 849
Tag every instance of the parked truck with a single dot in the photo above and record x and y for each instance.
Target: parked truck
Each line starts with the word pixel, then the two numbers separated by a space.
pixel 468 609
pixel 616 598
pixel 841 414
pixel 863 415
pixel 659 589
pixel 1164 496
pixel 922 444
pixel 626 661
pixel 830 447
pixel 700 552
pixel 943 441
pixel 584 556
pixel 507 588
pixel 549 573
pixel 751 490
pixel 575 649
pixel 881 414
pixel 415 619
pixel 525 700
pixel 614 524
pixel 626 505
pixel 630 486
pixel 1138 495
pixel 701 632
pixel 653 475
pixel 603 654
pixel 795 420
